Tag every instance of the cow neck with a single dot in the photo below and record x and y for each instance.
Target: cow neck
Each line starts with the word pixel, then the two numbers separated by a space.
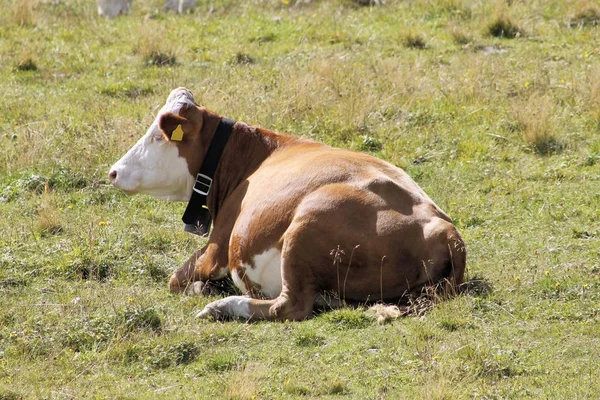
pixel 248 147
pixel 197 217
pixel 232 156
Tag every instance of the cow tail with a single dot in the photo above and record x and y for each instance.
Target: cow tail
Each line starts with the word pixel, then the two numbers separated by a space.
pixel 457 260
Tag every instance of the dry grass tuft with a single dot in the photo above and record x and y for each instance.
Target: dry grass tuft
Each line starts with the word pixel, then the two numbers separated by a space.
pixel 6 394
pixel 152 46
pixel 337 387
pixel 245 383
pixel 586 16
pixel 536 119
pixel 504 27
pixel 385 313
pixel 591 91
pixel 243 58
pixel 440 383
pixel 48 221
pixel 414 41
pixel 416 305
pixel 159 58
pixel 461 37
pixel 27 64
pixel 366 3
pixel 22 12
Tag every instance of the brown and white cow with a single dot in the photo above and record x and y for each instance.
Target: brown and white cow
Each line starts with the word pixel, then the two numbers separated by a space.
pixel 295 217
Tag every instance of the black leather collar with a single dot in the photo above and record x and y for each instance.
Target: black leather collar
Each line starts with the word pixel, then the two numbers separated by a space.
pixel 197 218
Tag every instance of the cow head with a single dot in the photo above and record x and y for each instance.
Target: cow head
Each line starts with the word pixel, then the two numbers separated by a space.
pixel 157 163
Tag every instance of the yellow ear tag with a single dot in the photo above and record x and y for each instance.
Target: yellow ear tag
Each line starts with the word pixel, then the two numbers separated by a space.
pixel 177 134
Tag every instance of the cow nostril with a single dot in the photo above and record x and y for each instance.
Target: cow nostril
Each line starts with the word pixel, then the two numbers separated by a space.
pixel 112 175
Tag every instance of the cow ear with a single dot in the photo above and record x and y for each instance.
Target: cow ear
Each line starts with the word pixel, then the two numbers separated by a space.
pixel 174 127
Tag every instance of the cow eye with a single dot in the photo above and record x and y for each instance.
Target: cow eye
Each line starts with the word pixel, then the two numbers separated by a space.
pixel 157 138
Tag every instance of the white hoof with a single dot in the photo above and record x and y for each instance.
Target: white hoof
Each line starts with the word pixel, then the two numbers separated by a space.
pixel 194 289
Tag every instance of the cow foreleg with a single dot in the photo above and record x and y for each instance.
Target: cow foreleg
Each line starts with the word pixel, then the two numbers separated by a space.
pixel 186 275
pixel 194 275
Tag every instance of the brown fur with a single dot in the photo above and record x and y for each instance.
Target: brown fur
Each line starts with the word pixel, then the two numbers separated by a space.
pixel 343 221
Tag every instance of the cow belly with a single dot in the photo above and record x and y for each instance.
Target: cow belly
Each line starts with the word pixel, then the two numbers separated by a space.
pixel 264 272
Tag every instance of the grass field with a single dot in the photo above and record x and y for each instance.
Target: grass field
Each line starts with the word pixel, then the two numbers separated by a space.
pixel 493 107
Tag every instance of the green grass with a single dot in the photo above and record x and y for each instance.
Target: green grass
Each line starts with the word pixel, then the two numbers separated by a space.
pixel 507 143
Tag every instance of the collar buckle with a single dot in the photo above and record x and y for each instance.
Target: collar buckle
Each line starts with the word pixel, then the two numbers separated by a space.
pixel 203 184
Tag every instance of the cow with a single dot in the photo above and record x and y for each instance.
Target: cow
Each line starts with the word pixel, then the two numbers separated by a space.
pixel 293 218
pixel 113 8
pixel 179 6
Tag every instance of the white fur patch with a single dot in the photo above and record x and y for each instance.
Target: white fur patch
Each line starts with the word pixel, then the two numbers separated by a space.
pixel 266 272
pixel 176 100
pixel 238 281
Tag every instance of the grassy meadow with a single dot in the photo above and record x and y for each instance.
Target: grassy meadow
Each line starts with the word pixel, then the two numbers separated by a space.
pixel 493 107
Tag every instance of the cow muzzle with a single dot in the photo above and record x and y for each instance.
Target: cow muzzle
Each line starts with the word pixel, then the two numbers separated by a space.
pixel 117 179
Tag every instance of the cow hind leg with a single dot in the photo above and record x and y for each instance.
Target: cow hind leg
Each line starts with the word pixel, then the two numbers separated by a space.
pixel 295 302
pixel 285 307
pixel 245 307
pixel 299 292
pixel 237 307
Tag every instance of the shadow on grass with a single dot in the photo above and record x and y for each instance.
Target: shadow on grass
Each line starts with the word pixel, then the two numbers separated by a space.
pixel 476 286
pixel 350 313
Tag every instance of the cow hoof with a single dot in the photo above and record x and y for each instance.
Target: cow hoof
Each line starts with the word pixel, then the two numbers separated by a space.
pixel 210 310
pixel 229 307
pixel 195 289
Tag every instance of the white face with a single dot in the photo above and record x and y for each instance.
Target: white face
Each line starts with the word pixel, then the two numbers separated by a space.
pixel 153 165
